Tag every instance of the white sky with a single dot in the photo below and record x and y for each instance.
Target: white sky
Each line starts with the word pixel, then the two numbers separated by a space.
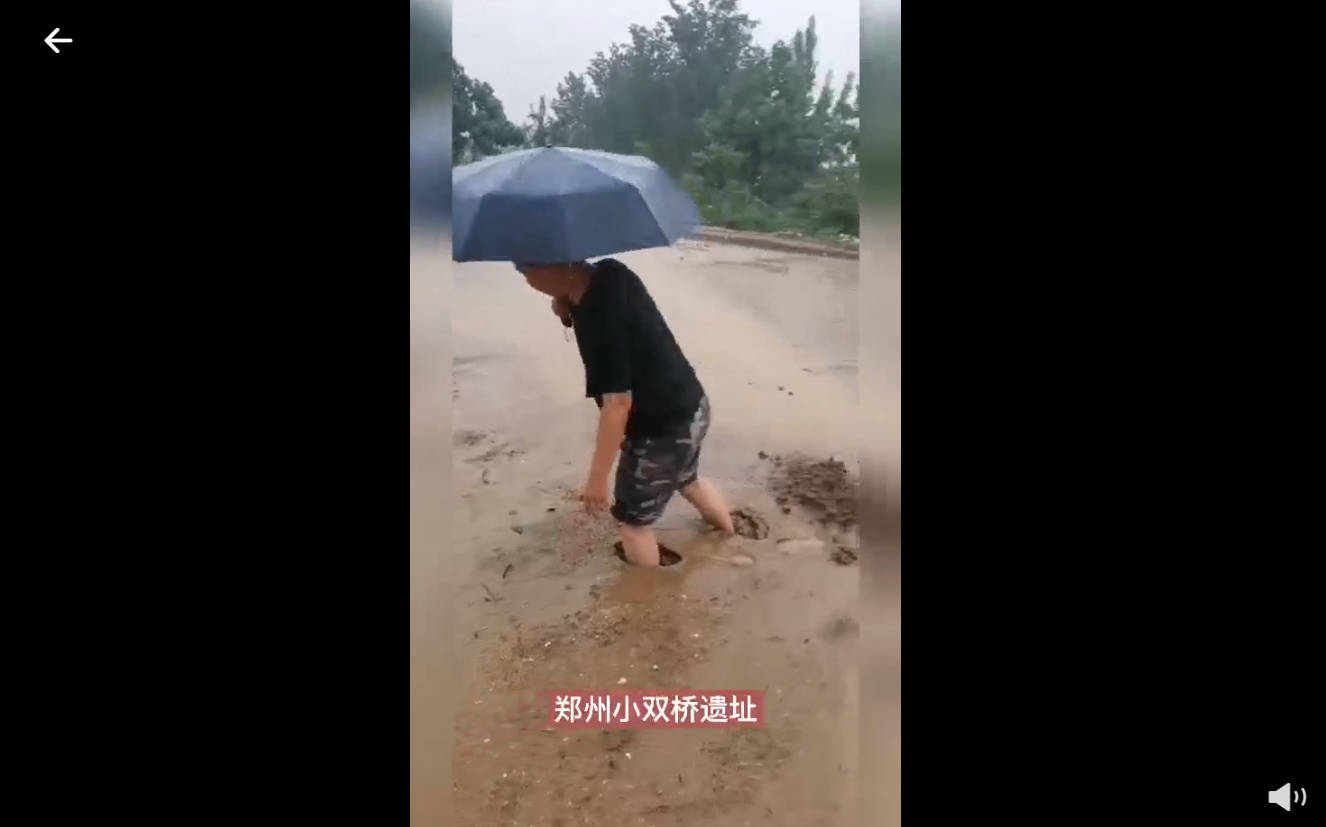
pixel 524 47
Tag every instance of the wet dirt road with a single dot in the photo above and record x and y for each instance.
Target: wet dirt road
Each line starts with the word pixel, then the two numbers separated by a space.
pixel 542 603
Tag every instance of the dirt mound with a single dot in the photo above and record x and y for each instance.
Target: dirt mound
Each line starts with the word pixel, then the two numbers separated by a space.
pixel 823 487
pixel 843 555
pixel 749 524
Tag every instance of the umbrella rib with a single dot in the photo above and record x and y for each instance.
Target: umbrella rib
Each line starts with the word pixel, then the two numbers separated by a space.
pixel 585 162
pixel 515 166
pixel 590 156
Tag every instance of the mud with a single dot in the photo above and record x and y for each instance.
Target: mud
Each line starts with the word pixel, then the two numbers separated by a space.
pixel 840 628
pixel 468 438
pixel 543 603
pixel 843 555
pixel 824 488
pixel 749 524
pixel 666 556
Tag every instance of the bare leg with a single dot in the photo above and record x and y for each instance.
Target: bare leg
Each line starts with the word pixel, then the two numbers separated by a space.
pixel 639 544
pixel 708 500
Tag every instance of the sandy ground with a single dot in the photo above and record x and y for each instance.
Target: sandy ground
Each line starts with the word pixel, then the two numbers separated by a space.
pixel 542 603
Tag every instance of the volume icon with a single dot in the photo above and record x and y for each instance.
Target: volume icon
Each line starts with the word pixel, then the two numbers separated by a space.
pixel 1282 796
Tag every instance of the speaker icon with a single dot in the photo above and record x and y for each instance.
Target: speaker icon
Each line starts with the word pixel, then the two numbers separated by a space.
pixel 1282 796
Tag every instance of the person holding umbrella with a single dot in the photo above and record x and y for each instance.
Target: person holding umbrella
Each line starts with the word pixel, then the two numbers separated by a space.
pixel 651 404
pixel 550 211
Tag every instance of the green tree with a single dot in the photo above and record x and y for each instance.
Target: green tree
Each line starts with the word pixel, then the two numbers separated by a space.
pixel 569 125
pixel 538 123
pixel 479 123
pixel 744 128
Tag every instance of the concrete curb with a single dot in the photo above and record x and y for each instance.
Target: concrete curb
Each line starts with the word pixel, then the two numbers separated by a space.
pixel 765 241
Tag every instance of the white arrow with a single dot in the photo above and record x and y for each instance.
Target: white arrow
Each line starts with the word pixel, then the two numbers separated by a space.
pixel 51 40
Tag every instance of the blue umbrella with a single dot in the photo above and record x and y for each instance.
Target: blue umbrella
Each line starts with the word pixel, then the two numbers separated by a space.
pixel 555 204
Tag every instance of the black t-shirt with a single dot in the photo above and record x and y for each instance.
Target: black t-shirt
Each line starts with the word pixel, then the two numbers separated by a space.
pixel 627 346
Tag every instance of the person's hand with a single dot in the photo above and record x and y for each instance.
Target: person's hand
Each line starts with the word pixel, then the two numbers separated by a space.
pixel 597 496
pixel 561 308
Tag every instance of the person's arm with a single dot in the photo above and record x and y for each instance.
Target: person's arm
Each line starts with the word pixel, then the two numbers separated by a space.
pixel 614 371
pixel 612 430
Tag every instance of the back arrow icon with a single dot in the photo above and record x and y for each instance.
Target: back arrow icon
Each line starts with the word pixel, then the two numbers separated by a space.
pixel 51 40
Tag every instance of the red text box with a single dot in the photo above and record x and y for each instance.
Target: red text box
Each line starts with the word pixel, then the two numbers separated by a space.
pixel 656 709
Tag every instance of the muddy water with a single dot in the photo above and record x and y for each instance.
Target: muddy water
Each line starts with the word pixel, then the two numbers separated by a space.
pixel 545 605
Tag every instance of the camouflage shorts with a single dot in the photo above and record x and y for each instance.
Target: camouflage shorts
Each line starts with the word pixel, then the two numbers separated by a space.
pixel 650 470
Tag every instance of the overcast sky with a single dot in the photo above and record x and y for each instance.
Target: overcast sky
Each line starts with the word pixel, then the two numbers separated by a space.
pixel 524 47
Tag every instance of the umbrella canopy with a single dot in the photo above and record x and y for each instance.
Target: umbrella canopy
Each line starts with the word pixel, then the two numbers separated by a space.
pixel 555 204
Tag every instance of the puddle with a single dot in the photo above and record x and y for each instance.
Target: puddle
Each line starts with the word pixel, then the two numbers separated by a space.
pixel 667 558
